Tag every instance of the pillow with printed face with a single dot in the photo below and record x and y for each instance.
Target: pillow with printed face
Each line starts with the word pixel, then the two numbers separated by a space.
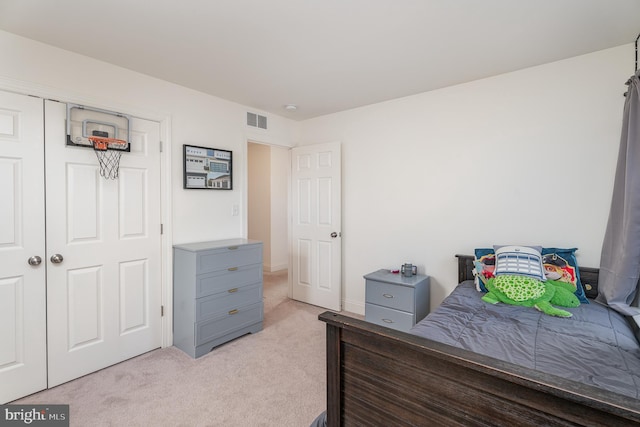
pixel 562 265
pixel 519 261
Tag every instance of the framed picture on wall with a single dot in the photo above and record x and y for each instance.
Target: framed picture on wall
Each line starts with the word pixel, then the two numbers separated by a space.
pixel 207 168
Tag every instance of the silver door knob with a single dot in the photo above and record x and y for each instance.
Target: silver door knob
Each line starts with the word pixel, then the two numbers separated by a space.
pixel 334 235
pixel 34 260
pixel 56 259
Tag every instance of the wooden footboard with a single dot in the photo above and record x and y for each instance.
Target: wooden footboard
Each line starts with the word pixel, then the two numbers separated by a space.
pixel 377 376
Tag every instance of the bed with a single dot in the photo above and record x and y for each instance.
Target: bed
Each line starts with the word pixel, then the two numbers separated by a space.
pixel 379 376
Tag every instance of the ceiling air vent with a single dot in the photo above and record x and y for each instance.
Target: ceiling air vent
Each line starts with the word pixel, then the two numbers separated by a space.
pixel 256 120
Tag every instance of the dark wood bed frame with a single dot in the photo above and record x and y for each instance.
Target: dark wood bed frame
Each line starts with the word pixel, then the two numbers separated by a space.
pixel 377 376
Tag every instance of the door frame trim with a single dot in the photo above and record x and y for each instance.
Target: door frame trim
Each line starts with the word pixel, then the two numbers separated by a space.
pixel 166 255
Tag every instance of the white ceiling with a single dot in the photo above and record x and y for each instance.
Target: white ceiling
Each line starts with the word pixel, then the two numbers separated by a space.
pixel 324 55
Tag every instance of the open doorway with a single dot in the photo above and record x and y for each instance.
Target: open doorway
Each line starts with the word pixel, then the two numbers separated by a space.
pixel 268 171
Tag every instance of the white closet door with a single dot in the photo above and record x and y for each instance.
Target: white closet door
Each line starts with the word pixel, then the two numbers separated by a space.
pixel 104 296
pixel 23 355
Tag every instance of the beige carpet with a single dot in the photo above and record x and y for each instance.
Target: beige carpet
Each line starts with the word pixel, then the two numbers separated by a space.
pixel 273 378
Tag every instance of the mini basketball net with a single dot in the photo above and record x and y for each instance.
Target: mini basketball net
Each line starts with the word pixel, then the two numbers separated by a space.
pixel 109 159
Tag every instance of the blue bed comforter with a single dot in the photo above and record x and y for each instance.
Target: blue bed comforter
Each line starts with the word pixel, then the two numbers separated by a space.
pixel 596 346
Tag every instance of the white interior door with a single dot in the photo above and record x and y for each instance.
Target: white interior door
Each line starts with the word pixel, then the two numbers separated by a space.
pixel 104 296
pixel 23 354
pixel 316 228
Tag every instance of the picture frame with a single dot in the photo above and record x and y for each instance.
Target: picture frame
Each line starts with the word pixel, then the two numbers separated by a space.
pixel 207 168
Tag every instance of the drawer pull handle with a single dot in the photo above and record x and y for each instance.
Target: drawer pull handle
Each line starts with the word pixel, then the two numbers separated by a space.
pixel 234 311
pixel 232 248
pixel 387 320
pixel 232 290
pixel 387 295
pixel 233 269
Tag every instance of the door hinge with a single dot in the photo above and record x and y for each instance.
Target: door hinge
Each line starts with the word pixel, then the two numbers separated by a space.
pixel 161 146
pixel 161 228
pixel 162 311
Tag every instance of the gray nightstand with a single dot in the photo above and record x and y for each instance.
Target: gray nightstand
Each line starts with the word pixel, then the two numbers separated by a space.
pixel 396 301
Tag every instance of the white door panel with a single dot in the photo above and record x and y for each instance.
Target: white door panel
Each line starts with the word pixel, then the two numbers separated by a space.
pixel 316 227
pixel 104 297
pixel 22 286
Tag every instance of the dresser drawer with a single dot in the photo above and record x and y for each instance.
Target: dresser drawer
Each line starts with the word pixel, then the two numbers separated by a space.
pixel 390 295
pixel 226 323
pixel 211 305
pixel 388 317
pixel 228 257
pixel 229 278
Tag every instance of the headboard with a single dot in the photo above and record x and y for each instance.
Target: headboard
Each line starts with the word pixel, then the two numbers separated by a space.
pixel 588 275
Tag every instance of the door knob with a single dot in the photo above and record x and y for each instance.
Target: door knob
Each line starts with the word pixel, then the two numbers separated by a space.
pixel 35 260
pixel 334 234
pixel 56 259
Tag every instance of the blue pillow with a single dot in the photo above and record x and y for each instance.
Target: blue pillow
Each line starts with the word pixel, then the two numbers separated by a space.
pixel 558 263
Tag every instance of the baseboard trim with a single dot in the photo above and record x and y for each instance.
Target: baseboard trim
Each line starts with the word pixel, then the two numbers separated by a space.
pixel 353 306
pixel 274 268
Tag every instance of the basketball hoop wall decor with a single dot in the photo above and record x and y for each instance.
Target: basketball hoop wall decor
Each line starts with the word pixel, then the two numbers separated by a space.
pixel 107 132
pixel 207 168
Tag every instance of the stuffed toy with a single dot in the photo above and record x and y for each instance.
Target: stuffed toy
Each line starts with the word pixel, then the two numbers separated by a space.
pixel 530 292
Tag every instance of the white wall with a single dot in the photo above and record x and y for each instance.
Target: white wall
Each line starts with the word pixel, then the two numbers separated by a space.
pixel 268 194
pixel 280 170
pixel 259 196
pixel 523 158
pixel 194 118
pixel 420 174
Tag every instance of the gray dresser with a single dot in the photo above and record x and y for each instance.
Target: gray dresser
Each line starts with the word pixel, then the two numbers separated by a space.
pixel 217 293
pixel 396 301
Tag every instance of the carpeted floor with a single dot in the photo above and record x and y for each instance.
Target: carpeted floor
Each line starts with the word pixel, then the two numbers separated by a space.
pixel 273 378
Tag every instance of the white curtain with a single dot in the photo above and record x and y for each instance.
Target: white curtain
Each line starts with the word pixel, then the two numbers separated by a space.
pixel 620 258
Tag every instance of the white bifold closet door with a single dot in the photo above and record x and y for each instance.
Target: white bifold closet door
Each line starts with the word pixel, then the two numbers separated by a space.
pixel 92 297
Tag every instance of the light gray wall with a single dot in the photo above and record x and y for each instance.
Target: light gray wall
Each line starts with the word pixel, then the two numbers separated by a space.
pixel 521 158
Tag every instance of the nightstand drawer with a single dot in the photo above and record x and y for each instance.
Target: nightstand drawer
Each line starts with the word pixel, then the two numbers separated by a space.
pixel 227 323
pixel 228 257
pixel 211 305
pixel 229 278
pixel 388 317
pixel 389 295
